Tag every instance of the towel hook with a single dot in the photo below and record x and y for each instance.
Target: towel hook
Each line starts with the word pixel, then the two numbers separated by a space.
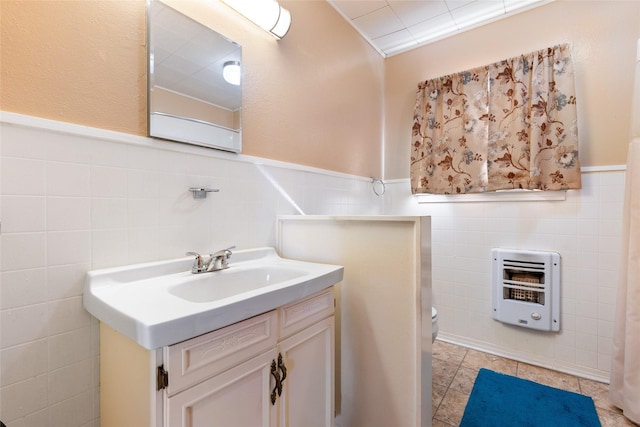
pixel 378 186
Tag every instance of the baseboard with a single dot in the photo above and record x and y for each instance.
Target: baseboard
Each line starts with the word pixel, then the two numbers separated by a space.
pixel 567 368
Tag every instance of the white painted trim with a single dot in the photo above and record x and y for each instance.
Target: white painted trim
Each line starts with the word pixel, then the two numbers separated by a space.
pixel 560 366
pixel 363 218
pixel 605 168
pixel 16 119
pixel 583 169
pixel 126 138
pixel 498 196
pixel 504 196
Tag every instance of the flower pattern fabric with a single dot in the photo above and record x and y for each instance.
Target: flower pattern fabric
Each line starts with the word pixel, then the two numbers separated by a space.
pixel 508 125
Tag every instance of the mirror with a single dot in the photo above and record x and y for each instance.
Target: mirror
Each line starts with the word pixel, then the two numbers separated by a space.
pixel 189 100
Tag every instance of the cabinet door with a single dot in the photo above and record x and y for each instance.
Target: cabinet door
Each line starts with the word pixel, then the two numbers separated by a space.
pixel 308 389
pixel 238 397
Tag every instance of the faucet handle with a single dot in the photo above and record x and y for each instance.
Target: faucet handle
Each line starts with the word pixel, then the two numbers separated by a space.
pixel 197 263
pixel 226 253
pixel 220 259
pixel 198 257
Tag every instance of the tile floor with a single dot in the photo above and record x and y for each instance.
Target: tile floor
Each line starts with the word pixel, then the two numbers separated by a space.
pixel 455 369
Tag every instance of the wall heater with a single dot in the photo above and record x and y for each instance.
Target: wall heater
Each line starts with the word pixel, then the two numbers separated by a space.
pixel 526 288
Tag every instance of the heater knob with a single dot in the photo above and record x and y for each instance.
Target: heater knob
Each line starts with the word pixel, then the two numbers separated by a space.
pixel 536 316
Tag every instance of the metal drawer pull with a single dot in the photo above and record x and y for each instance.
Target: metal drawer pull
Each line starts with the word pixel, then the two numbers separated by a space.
pixel 283 369
pixel 278 386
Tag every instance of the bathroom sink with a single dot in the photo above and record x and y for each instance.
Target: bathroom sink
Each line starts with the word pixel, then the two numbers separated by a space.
pixel 162 303
pixel 209 287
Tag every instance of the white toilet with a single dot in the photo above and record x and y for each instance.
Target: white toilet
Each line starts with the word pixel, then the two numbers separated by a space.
pixel 434 324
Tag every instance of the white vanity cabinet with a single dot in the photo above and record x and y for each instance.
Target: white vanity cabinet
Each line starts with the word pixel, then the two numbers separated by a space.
pixel 275 369
pixel 307 349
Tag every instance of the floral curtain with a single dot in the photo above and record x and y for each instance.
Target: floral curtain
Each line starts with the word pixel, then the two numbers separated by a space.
pixel 508 125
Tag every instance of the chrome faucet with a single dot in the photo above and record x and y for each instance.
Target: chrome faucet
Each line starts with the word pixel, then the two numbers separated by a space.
pixel 215 262
pixel 220 259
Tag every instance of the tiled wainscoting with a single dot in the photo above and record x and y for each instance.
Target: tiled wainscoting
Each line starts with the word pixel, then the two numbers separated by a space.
pixel 75 199
pixel 585 229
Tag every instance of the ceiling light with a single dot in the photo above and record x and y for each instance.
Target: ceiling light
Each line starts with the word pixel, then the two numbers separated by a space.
pixel 267 14
pixel 231 72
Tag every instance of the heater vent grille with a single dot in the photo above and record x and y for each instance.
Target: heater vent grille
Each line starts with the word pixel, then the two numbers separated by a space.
pixel 526 288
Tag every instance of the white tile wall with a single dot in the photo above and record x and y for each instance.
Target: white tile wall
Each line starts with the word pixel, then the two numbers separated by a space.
pixel 78 199
pixel 585 229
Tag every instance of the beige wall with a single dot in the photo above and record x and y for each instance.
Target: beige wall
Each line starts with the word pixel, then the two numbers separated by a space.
pixel 313 98
pixel 75 61
pixel 603 36
pixel 316 97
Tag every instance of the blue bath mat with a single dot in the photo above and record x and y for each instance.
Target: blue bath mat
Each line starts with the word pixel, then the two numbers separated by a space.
pixel 502 400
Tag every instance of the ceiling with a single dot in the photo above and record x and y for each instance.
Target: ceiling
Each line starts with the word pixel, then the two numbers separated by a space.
pixel 188 57
pixel 395 26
